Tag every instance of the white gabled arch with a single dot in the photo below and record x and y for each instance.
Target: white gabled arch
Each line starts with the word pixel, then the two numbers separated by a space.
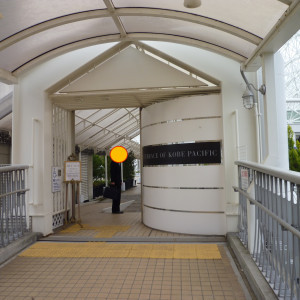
pixel 132 37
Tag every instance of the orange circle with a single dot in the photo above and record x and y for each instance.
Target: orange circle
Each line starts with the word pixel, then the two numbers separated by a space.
pixel 118 154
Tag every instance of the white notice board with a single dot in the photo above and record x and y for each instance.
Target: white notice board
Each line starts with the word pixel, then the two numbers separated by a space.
pixel 56 179
pixel 72 171
pixel 244 179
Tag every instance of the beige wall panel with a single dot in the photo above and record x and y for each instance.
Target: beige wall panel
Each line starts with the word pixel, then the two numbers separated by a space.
pixel 207 200
pixel 183 108
pixel 185 131
pixel 179 176
pixel 193 223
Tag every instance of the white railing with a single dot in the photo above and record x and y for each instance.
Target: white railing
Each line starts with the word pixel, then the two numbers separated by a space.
pixel 13 219
pixel 269 223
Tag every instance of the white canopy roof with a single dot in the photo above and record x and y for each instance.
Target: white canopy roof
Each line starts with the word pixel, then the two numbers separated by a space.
pixel 33 30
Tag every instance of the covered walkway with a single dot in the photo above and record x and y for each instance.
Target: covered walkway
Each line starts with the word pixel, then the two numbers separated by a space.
pixel 127 260
pixel 201 85
pixel 100 225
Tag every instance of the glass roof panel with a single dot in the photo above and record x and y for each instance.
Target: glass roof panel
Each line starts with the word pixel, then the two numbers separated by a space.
pixel 291 56
pixel 53 38
pixel 20 14
pixel 255 16
pixel 87 113
pixel 186 29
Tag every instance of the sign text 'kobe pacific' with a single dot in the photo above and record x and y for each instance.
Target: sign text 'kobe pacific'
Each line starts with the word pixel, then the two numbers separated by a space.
pixel 191 153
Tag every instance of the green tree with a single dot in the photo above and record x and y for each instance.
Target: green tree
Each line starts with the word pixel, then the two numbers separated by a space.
pixel 98 167
pixel 128 167
pixel 291 142
pixel 294 152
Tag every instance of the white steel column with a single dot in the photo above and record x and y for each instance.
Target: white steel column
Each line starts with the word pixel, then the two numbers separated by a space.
pixel 106 181
pixel 72 131
pixel 275 111
pixel 123 183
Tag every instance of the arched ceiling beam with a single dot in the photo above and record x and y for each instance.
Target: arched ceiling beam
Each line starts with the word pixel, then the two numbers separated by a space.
pixel 131 37
pixel 117 13
pixel 19 36
pixel 196 19
pixel 7 77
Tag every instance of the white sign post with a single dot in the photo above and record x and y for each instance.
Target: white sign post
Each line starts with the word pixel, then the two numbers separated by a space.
pixel 73 176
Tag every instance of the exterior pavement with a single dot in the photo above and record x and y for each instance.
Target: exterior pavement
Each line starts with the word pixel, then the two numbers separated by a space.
pixel 117 257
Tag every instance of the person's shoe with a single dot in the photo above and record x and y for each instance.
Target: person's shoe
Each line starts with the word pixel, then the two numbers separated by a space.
pixel 117 212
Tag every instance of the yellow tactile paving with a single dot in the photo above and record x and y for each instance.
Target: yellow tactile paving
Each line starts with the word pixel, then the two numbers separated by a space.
pixel 95 249
pixel 105 231
pixel 105 234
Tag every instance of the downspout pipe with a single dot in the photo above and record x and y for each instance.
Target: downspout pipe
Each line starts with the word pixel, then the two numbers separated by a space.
pixel 262 90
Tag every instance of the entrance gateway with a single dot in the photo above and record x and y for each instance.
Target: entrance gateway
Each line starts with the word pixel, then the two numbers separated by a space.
pixel 181 138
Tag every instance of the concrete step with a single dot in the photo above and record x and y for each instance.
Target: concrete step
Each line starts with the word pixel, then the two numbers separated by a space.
pixel 14 248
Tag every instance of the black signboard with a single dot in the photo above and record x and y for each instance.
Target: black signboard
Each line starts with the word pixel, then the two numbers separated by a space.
pixel 191 153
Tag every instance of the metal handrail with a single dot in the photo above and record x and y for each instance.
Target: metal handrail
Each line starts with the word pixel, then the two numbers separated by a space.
pixel 270 227
pixel 13 168
pixel 270 213
pixel 14 192
pixel 276 172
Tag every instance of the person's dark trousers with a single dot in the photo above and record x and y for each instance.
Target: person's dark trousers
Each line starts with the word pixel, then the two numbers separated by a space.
pixel 116 201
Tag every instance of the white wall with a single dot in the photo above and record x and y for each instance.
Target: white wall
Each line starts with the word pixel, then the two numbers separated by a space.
pixel 31 102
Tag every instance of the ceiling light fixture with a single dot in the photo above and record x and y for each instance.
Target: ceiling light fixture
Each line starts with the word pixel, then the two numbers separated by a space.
pixel 248 96
pixel 192 3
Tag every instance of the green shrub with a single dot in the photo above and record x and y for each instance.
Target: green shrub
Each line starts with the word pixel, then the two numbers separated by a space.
pixel 98 182
pixel 294 152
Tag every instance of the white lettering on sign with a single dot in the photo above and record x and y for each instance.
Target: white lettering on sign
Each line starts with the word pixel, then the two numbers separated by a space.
pixel 177 154
pixel 202 153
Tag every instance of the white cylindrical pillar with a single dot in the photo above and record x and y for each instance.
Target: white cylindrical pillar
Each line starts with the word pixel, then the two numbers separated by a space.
pixel 183 198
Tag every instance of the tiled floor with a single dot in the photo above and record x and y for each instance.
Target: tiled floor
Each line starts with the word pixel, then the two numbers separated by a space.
pixel 119 278
pixel 81 276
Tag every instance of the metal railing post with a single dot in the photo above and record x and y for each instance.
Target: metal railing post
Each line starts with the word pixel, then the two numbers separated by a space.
pixel 13 222
pixel 276 226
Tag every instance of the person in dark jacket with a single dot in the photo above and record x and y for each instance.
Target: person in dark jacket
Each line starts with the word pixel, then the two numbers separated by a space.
pixel 116 181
